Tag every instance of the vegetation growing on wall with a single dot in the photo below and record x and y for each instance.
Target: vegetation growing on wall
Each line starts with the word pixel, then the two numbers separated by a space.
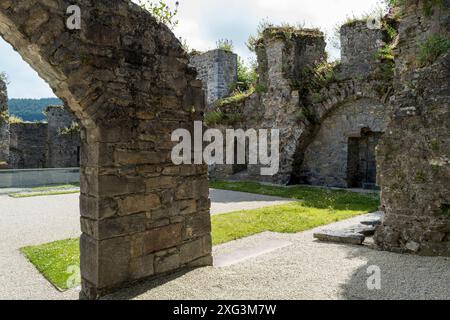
pixel 225 44
pixel 432 49
pixel 161 11
pixel 74 128
pixel 14 120
pixel 428 5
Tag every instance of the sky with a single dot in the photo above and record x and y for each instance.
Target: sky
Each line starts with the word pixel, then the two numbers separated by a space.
pixel 203 22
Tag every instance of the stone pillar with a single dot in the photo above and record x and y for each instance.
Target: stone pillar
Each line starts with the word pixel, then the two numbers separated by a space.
pixel 126 78
pixel 359 49
pixel 218 71
pixel 4 125
pixel 414 154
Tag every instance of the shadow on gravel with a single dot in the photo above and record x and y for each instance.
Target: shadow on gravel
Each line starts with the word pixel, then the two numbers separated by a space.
pixel 403 276
pixel 141 287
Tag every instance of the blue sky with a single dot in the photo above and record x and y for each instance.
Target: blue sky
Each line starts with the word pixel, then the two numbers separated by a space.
pixel 203 22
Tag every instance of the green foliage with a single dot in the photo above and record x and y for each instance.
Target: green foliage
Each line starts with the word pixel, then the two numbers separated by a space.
pixel 247 77
pixel 74 128
pixel 237 97
pixel 31 109
pixel 253 39
pixel 432 49
pixel 4 116
pixel 161 11
pixel 445 209
pixel 213 117
pixel 14 119
pixel 225 44
pixel 386 53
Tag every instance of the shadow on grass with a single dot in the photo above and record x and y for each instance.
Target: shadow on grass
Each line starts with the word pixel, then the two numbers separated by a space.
pixel 312 197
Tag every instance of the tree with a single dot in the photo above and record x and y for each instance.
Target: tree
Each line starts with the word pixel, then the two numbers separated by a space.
pixel 161 11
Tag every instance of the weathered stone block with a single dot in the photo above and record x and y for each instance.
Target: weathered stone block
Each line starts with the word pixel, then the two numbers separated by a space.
pixel 162 238
pixel 138 203
pixel 167 263
pixel 340 237
pixel 195 249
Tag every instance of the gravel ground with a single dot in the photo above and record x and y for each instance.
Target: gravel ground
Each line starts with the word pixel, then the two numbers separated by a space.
pixel 304 270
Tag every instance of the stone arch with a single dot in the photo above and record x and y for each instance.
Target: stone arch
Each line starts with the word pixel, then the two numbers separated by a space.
pixel 126 79
pixel 333 99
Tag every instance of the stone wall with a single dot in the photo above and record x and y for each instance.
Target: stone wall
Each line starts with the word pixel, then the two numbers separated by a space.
pixel 218 71
pixel 326 158
pixel 28 145
pixel 4 125
pixel 414 155
pixel 316 113
pixel 359 48
pixel 63 138
pixel 55 144
pixel 126 78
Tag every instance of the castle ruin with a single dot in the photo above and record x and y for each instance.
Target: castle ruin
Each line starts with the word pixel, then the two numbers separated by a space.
pixel 127 80
pixel 51 144
pixel 330 120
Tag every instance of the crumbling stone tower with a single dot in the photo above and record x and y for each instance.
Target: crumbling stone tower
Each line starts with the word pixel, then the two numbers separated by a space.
pixel 218 71
pixel 414 154
pixel 4 125
pixel 359 48
pixel 284 56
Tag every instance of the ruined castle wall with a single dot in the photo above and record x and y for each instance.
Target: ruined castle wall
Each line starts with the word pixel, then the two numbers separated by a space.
pixel 4 124
pixel 326 158
pixel 63 139
pixel 28 145
pixel 218 71
pixel 280 105
pixel 414 154
pixel 359 49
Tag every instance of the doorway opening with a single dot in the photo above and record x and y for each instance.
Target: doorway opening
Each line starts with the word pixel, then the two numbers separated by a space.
pixel 361 160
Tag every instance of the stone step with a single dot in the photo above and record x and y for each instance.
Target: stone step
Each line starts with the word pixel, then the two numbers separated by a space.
pixel 343 236
pixel 372 222
pixel 362 229
pixel 245 251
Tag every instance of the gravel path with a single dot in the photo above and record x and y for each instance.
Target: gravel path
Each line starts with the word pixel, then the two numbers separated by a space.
pixel 304 270
pixel 307 269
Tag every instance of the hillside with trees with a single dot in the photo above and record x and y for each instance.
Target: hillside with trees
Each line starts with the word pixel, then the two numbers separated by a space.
pixel 31 109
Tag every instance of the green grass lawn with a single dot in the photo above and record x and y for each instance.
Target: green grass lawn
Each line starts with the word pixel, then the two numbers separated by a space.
pixel 317 207
pixel 58 261
pixel 47 191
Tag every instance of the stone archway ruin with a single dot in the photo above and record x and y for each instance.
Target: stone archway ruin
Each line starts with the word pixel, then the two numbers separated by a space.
pixel 126 78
